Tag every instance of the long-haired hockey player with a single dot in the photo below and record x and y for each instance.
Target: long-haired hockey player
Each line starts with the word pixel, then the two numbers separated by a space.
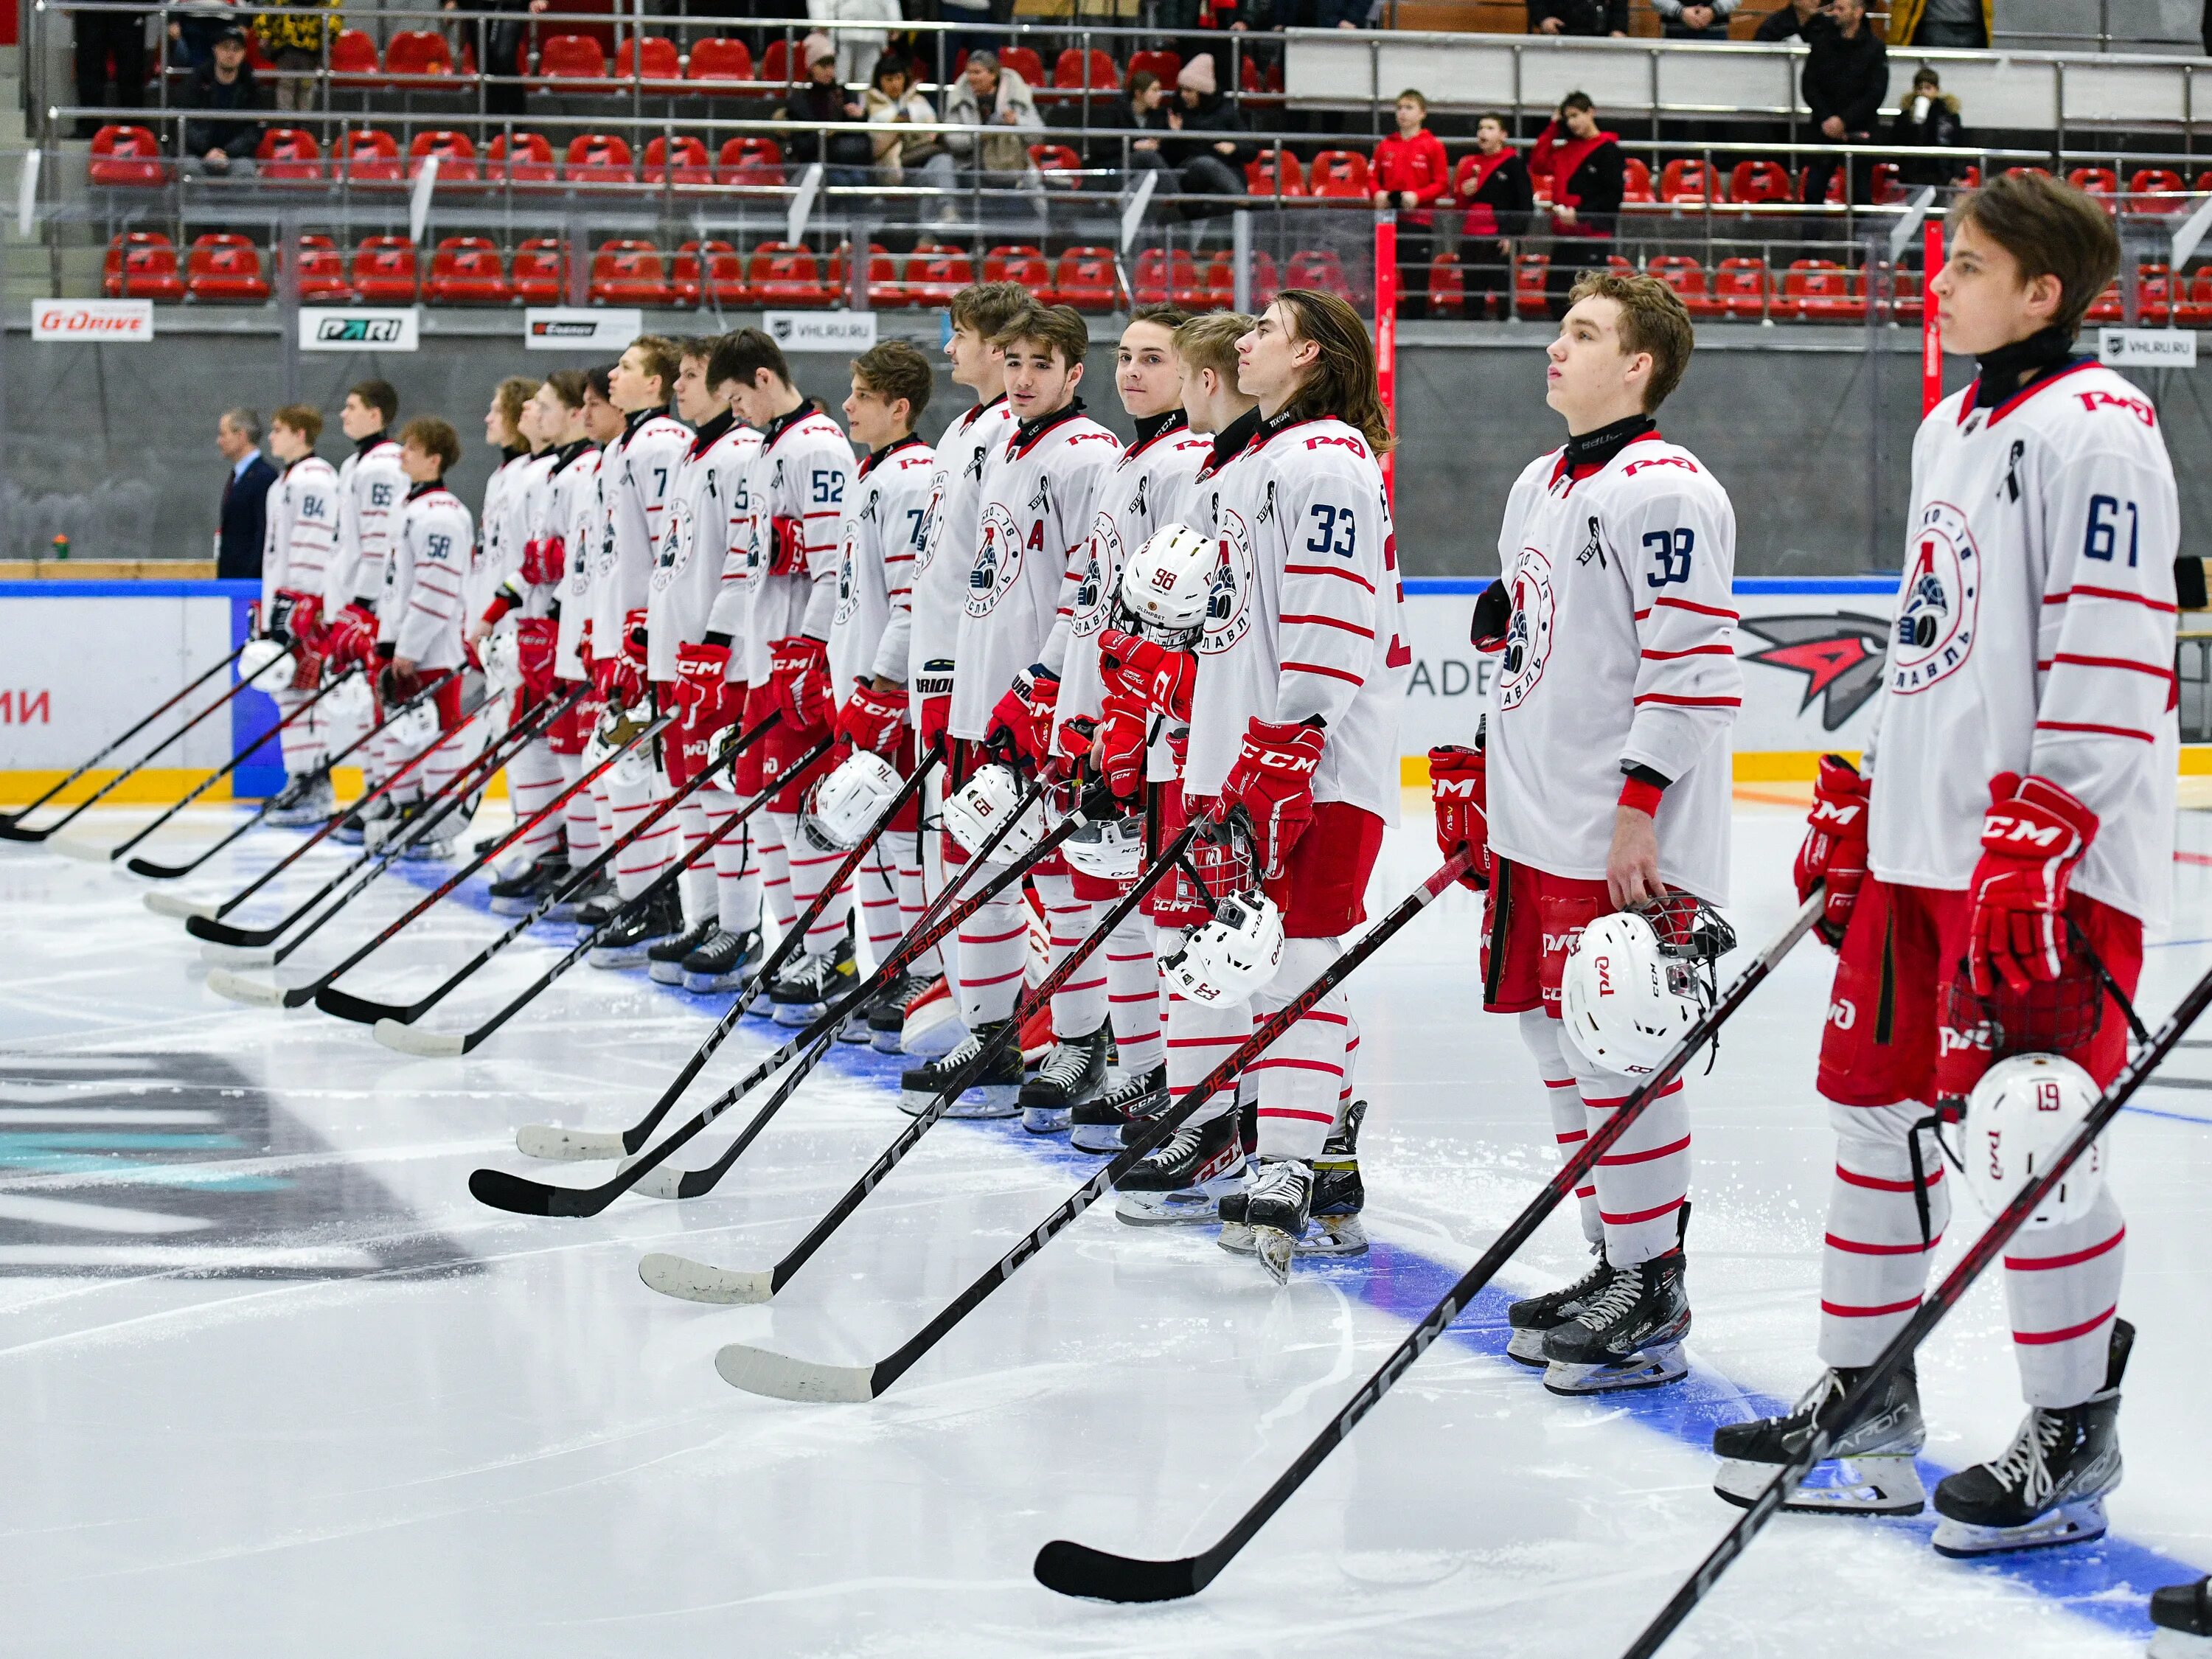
pixel 298 547
pixel 2022 819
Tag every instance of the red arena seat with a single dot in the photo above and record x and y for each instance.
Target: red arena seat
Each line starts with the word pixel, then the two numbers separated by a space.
pixel 1169 277
pixel 384 271
pixel 599 158
pixel 689 165
pixel 1067 73
pixel 1338 175
pixel 786 274
pixel 1318 267
pixel 629 273
pixel 541 271
pixel 2192 305
pixel 1688 278
pixel 1086 279
pixel 321 271
pixel 1821 291
pixel 224 265
pixel 1051 159
pixel 141 264
pixel 1685 181
pixel 1742 287
pixel 1166 64
pixel 658 59
pixel 708 271
pixel 934 273
pixel 2163 185
pixel 467 271
pixel 1636 183
pixel 2097 181
pixel 1753 182
pixel 775 63
pixel 572 57
pixel 1447 286
pixel 754 160
pixel 886 290
pixel 2155 293
pixel 1529 271
pixel 718 59
pixel 530 162
pixel 367 155
pixel 352 56
pixel 456 153
pixel 1017 261
pixel 417 55
pixel 126 156
pixel 1260 178
pixel 290 154
pixel 1024 62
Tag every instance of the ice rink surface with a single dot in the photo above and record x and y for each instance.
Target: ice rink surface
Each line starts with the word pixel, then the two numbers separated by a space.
pixel 276 1385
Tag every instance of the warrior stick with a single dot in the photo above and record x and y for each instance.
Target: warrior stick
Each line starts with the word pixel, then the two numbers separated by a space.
pixel 145 866
pixel 9 821
pixel 1821 1445
pixel 71 847
pixel 1078 1569
pixel 12 829
pixel 395 1030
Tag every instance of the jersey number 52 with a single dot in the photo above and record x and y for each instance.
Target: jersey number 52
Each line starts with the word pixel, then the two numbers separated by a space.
pixel 1670 551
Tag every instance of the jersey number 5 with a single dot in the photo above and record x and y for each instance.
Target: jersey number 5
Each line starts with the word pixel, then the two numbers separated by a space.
pixel 1670 551
pixel 1335 531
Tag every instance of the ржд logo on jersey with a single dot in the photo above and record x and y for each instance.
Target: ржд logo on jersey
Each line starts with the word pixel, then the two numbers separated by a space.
pixel 1936 610
pixel 998 561
pixel 1228 600
pixel 1528 635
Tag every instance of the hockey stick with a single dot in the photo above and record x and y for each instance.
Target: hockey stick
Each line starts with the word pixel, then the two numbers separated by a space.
pixel 10 820
pixel 11 828
pixel 437 808
pixel 206 922
pixel 145 866
pixel 1075 1569
pixel 523 1196
pixel 760 1371
pixel 396 1030
pixel 363 1012
pixel 70 847
pixel 563 1144
pixel 1933 1306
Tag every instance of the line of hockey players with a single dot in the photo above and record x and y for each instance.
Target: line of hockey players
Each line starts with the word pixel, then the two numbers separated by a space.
pixel 1205 623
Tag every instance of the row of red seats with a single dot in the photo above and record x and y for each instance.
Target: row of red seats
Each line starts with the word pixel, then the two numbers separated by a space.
pixel 368 156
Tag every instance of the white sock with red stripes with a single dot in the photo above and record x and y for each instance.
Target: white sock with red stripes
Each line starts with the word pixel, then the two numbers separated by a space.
pixel 1873 1264
pixel 533 778
pixel 1133 994
pixel 692 828
pixel 603 809
pixel 1301 1073
pixel 811 870
pixel 1570 1127
pixel 994 944
pixel 303 740
pixel 775 870
pixel 1644 1180
pixel 912 900
pixel 1200 1036
pixel 877 880
pixel 1078 1007
pixel 449 756
pixel 632 794
pixel 1351 1072
pixel 2062 1289
pixel 578 816
pixel 737 868
pixel 936 877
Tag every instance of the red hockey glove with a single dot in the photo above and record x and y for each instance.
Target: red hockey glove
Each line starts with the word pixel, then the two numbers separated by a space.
pixel 1162 679
pixel 1834 850
pixel 800 667
pixel 544 561
pixel 786 554
pixel 1025 713
pixel 1119 745
pixel 298 618
pixel 633 639
pixel 701 672
pixel 871 719
pixel 535 638
pixel 1272 781
pixel 1493 617
pixel 1459 790
pixel 350 637
pixel 2032 836
pixel 584 654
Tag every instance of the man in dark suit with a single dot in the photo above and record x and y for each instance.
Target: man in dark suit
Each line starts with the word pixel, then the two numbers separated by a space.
pixel 245 495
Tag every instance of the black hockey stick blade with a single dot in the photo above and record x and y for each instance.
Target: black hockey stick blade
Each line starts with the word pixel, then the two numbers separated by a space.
pixel 1099 1575
pixel 519 1195
pixel 10 830
pixel 361 1010
pixel 216 931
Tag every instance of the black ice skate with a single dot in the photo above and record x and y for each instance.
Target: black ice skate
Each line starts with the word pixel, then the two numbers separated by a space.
pixel 2181 1617
pixel 995 1093
pixel 1100 1124
pixel 599 890
pixel 353 828
pixel 664 962
pixel 2049 1487
pixel 303 801
pixel 802 991
pixel 624 942
pixel 1533 1318
pixel 1872 1472
pixel 886 1011
pixel 1334 1227
pixel 723 961
pixel 1185 1178
pixel 519 894
pixel 1629 1335
pixel 1074 1072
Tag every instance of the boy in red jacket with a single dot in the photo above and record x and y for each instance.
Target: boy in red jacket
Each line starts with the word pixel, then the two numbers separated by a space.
pixel 1411 172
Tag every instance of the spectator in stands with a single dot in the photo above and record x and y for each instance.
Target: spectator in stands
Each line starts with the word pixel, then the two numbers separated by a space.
pixel 1411 172
pixel 222 140
pixel 1261 18
pixel 820 100
pixel 1211 163
pixel 997 102
pixel 1787 20
pixel 1846 77
pixel 975 35
pixel 1694 20
pixel 1942 22
pixel 1578 17
pixel 1500 201
pixel 100 36
pixel 1928 119
pixel 245 496
pixel 904 156
pixel 1144 106
pixel 1589 178
pixel 857 48
pixel 503 45
pixel 292 35
pixel 192 29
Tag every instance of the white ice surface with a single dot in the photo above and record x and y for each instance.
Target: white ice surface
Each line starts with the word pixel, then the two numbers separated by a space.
pixel 503 1443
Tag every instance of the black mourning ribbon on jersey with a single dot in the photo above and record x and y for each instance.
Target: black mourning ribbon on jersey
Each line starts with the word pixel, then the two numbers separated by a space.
pixel 2018 364
pixel 1594 449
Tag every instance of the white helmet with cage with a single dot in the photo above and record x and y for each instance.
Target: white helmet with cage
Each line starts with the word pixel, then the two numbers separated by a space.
pixel 1166 583
pixel 840 807
pixel 256 663
pixel 973 811
pixel 1228 958
pixel 2019 1116
pixel 1626 999
pixel 350 702
pixel 501 656
pixel 1109 847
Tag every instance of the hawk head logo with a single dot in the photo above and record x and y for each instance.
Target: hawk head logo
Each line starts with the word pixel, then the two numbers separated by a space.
pixel 1839 655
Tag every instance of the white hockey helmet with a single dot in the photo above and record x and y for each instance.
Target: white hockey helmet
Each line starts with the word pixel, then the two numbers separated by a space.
pixel 1626 1000
pixel 974 810
pixel 258 662
pixel 415 728
pixel 1166 583
pixel 2019 1116
pixel 1109 847
pixel 349 703
pixel 840 807
pixel 1227 959
pixel 501 656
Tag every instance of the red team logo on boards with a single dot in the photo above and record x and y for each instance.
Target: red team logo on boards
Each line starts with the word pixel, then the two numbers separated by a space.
pixel 1528 635
pixel 1229 602
pixel 998 562
pixel 1936 610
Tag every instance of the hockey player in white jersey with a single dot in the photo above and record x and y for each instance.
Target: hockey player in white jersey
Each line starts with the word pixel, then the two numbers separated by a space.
pixel 802 480
pixel 499 541
pixel 690 623
pixel 1144 493
pixel 579 526
pixel 636 473
pixel 1040 493
pixel 2017 828
pixel 299 543
pixel 894 496
pixel 1606 782
pixel 370 489
pixel 419 619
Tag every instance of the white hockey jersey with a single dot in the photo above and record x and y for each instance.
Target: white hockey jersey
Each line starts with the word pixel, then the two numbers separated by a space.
pixel 530 515
pixel 1149 489
pixel 370 489
pixel 499 545
pixel 894 494
pixel 804 473
pixel 1306 618
pixel 420 615
pixel 578 511
pixel 1040 491
pixel 2034 635
pixel 1621 650
pixel 301 536
pixel 636 473
pixel 924 633
pixel 694 568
